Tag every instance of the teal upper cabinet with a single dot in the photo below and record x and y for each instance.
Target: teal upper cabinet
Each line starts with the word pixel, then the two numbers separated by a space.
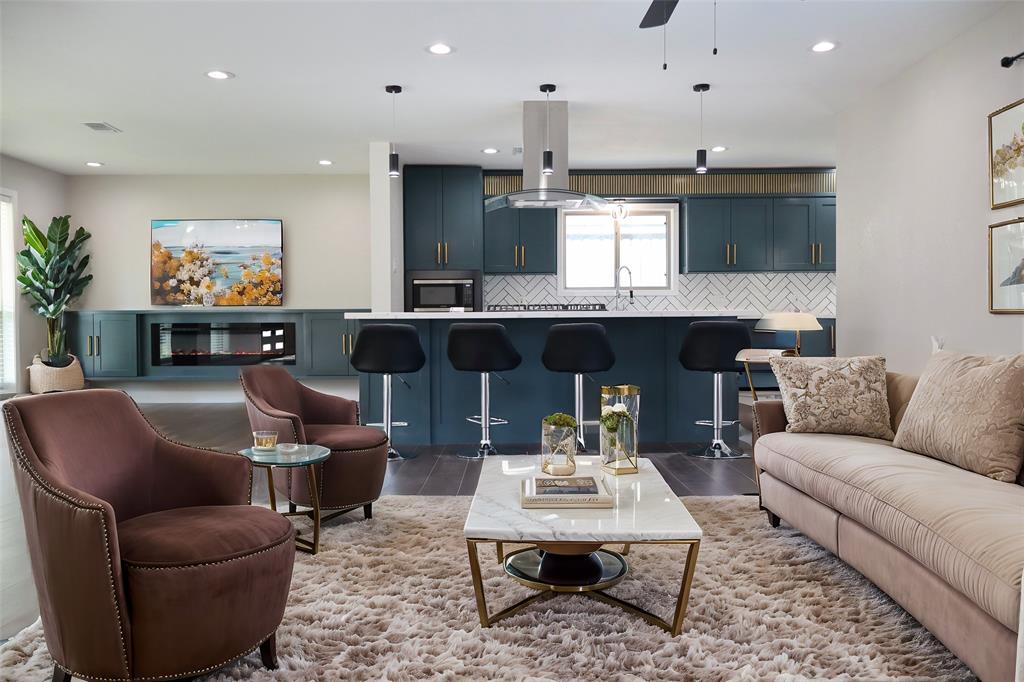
pixel 501 241
pixel 708 236
pixel 443 213
pixel 421 192
pixel 520 240
pixel 825 233
pixel 751 235
pixel 727 235
pixel 805 233
pixel 106 344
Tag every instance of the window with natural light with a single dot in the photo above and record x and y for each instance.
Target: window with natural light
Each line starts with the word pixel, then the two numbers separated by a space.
pixel 595 245
pixel 8 373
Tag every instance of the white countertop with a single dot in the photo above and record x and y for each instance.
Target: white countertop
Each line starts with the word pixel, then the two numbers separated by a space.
pixel 548 314
pixel 645 507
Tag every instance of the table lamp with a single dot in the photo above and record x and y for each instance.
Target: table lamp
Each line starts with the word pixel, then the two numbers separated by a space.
pixel 788 322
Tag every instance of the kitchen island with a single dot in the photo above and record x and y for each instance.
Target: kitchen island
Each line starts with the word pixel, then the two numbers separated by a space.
pixel 436 400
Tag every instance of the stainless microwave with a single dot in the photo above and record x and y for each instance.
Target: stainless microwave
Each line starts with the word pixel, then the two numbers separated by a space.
pixel 437 290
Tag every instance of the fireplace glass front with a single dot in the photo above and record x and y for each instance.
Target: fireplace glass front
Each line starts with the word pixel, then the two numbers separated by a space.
pixel 213 344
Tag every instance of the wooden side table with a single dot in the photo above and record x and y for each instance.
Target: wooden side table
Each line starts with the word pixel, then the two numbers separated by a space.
pixel 302 456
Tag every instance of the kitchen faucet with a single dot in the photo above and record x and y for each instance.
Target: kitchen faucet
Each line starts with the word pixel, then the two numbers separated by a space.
pixel 618 293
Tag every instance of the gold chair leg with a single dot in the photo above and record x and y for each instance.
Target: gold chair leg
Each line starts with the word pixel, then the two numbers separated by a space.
pixel 270 487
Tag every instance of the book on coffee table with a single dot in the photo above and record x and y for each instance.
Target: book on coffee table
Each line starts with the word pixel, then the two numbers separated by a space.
pixel 566 492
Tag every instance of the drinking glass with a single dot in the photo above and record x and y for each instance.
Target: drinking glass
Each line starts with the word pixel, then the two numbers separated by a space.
pixel 264 440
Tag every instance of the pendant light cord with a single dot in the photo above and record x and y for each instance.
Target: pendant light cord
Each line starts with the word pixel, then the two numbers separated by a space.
pixel 547 121
pixel 715 30
pixel 664 47
pixel 700 133
pixel 394 119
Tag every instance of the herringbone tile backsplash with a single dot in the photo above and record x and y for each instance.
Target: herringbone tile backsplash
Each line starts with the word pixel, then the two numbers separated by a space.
pixel 813 292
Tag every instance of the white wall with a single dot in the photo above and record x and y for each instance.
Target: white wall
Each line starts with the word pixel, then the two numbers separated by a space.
pixel 387 282
pixel 41 194
pixel 326 230
pixel 913 205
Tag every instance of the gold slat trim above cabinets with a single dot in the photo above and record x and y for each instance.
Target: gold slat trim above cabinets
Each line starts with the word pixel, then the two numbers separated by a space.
pixel 628 184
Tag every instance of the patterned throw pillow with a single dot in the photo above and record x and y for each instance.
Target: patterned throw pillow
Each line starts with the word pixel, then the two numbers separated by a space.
pixel 834 395
pixel 968 410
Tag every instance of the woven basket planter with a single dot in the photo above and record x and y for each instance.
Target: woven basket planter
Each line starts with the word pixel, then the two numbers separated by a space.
pixel 45 379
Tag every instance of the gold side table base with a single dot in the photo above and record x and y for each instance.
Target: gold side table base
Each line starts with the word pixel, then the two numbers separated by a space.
pixel 679 614
pixel 301 543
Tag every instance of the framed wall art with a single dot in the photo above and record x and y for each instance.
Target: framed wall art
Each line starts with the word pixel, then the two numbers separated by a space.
pixel 236 262
pixel 1006 155
pixel 1006 266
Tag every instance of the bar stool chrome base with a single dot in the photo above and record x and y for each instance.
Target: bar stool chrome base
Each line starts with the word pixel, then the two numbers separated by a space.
pixel 718 449
pixel 388 423
pixel 485 420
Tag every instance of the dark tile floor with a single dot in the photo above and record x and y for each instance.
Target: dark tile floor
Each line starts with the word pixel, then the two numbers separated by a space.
pixel 437 469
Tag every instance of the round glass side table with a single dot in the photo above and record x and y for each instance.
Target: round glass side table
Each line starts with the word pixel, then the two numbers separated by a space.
pixel 302 456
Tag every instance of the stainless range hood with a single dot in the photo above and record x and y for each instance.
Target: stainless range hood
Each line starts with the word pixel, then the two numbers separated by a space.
pixel 539 190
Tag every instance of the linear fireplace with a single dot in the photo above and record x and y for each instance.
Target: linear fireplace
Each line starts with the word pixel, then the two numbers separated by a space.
pixel 216 344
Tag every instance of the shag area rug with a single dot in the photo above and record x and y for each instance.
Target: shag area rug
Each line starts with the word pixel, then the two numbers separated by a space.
pixel 392 599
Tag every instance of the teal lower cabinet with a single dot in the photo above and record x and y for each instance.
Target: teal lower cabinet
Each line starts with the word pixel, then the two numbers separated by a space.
pixel 106 343
pixel 329 340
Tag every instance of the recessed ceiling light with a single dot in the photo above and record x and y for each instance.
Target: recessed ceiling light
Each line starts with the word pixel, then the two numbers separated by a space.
pixel 440 48
pixel 218 75
pixel 718 148
pixel 325 162
pixel 93 164
pixel 489 150
pixel 823 46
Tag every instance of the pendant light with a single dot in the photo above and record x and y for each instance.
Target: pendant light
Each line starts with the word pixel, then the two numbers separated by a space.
pixel 394 170
pixel 702 154
pixel 548 157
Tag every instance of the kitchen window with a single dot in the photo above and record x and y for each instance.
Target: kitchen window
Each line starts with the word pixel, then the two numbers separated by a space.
pixel 8 294
pixel 594 245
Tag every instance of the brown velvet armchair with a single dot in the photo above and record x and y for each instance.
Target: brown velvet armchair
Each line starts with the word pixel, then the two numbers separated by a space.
pixel 354 474
pixel 149 562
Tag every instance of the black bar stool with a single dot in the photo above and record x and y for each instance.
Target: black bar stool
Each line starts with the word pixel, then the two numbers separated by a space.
pixel 579 348
pixel 712 346
pixel 482 347
pixel 388 349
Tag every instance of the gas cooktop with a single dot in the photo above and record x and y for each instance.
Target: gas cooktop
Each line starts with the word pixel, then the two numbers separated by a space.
pixel 573 307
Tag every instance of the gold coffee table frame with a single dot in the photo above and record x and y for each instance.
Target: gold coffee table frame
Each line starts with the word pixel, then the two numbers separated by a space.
pixel 595 591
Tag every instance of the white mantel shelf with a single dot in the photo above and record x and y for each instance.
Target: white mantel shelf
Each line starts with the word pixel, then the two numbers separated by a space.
pixel 549 314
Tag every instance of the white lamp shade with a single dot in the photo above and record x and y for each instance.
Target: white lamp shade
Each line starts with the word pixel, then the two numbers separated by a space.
pixel 788 322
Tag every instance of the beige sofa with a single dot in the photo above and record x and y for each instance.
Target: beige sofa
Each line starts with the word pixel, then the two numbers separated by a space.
pixel 945 543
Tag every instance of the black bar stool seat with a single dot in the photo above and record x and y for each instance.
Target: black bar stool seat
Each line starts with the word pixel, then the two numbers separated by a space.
pixel 388 349
pixel 482 347
pixel 712 346
pixel 578 348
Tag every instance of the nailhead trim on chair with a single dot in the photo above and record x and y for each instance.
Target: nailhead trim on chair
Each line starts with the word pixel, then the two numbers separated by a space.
pixel 75 503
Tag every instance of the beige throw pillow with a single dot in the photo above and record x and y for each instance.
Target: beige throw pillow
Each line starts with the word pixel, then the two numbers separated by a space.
pixel 968 410
pixel 834 395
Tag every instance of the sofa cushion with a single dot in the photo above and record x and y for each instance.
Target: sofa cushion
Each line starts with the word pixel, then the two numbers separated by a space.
pixel 964 527
pixel 968 410
pixel 199 535
pixel 345 437
pixel 834 395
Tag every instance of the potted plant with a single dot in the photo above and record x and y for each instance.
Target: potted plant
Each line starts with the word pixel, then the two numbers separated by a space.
pixel 558 444
pixel 51 272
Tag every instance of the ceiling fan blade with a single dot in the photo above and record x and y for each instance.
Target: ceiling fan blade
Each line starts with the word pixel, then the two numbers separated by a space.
pixel 658 13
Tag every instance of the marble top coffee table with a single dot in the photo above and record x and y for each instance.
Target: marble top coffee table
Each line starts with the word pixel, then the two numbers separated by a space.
pixel 565 552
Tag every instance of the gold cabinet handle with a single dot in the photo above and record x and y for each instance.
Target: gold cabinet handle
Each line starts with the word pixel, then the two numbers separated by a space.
pixel 832 336
pixel 351 344
pixel 515 250
pixel 343 337
pixel 812 254
pixel 523 259
pixel 727 254
pixel 821 253
pixel 439 253
pixel 88 344
pixel 96 346
pixel 735 250
pixel 446 253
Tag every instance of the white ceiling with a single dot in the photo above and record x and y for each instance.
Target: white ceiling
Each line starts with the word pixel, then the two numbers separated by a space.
pixel 311 80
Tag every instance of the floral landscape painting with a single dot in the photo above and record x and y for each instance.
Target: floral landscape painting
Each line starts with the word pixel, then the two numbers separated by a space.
pixel 216 262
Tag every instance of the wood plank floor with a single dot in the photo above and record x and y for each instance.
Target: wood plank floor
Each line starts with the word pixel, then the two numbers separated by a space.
pixel 438 470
